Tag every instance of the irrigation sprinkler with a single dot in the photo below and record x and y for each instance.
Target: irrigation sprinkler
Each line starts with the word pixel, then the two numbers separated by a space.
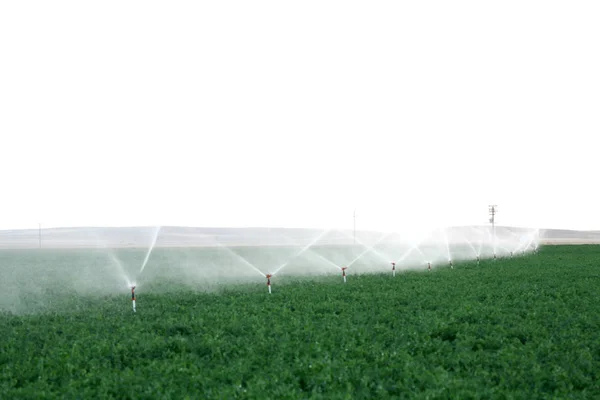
pixel 428 266
pixel 494 256
pixel 511 254
pixel 344 273
pixel 393 269
pixel 477 259
pixel 451 264
pixel 133 297
pixel 269 282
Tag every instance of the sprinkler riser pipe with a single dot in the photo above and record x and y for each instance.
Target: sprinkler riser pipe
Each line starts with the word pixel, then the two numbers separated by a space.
pixel 269 276
pixel 133 297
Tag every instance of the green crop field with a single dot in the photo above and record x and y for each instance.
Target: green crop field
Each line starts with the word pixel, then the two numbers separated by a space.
pixel 525 328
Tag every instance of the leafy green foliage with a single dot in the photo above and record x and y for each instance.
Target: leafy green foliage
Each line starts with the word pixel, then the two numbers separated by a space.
pixel 513 328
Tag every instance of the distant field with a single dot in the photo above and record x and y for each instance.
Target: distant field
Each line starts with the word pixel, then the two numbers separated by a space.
pixel 568 241
pixel 524 327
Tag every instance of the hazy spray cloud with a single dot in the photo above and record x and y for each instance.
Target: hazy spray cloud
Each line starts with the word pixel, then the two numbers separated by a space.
pixel 278 114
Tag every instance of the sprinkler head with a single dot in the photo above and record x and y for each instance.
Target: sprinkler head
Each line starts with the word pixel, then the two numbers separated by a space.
pixel 393 265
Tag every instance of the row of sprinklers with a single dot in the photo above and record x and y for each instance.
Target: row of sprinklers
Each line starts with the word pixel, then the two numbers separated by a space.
pixel 450 264
pixel 268 276
pixel 345 274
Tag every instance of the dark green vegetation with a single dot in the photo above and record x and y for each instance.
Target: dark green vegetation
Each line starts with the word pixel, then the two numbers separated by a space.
pixel 514 328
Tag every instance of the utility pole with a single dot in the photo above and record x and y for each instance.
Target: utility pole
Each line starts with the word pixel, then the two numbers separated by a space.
pixel 493 209
pixel 40 233
pixel 355 226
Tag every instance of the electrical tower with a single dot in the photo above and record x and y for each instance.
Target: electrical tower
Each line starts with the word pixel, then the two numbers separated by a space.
pixel 493 209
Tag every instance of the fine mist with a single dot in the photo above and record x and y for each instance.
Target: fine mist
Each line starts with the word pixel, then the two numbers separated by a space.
pixel 94 264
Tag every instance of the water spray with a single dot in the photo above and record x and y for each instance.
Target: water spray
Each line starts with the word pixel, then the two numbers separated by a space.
pixel 428 266
pixel 133 297
pixel 269 282
pixel 393 269
pixel 152 244
pixel 344 273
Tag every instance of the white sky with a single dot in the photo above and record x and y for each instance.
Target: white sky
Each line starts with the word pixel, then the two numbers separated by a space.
pixel 255 113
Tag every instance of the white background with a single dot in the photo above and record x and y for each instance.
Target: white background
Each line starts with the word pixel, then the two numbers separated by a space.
pixel 254 113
